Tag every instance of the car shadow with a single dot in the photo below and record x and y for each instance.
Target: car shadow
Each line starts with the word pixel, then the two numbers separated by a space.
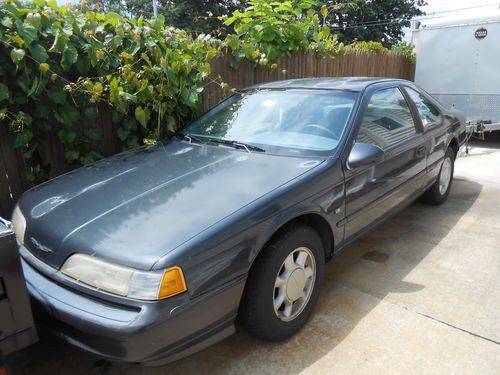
pixel 356 281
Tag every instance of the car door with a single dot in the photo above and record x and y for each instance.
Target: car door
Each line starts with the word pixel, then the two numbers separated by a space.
pixel 435 133
pixel 374 191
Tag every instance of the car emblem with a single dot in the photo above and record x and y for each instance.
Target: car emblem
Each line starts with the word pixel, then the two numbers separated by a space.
pixel 40 247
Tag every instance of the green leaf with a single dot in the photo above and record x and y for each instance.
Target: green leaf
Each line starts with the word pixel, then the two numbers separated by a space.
pixel 66 136
pixel 42 110
pixel 91 112
pixel 7 22
pixel 20 99
pixel 108 39
pixel 60 42
pixel 193 98
pixel 190 97
pixel 171 125
pixel 17 55
pixel 26 117
pixel 142 115
pixel 132 141
pixel 324 11
pixel 27 31
pixel 39 53
pixel 122 134
pixel 170 74
pixel 112 18
pixel 83 65
pixel 44 125
pixel 130 124
pixel 4 91
pixel 72 155
pixel 128 97
pixel 116 117
pixel 268 36
pixel 69 57
pixel 57 96
pixel 93 134
pixel 158 22
pixel 146 58
pixel 234 64
pixel 34 87
pixel 80 21
pixel 23 138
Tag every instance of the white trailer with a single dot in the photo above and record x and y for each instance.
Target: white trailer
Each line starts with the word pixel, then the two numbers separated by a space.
pixel 458 62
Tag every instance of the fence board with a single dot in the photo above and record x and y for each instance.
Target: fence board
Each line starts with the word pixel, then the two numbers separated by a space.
pixel 302 65
pixel 12 181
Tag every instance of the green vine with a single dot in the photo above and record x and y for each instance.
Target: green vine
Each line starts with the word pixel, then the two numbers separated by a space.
pixel 60 67
pixel 63 68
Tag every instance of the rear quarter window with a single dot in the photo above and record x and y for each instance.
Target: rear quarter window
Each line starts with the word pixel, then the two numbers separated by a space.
pixel 427 111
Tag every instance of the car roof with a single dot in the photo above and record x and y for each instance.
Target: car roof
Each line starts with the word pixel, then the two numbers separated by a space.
pixel 326 83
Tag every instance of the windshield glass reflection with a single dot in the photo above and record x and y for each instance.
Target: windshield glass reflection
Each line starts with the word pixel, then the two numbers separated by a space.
pixel 305 122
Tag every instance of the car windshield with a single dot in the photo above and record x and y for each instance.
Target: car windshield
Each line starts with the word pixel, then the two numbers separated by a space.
pixel 292 122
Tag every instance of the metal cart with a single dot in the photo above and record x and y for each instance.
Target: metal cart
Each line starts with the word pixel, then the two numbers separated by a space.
pixel 17 329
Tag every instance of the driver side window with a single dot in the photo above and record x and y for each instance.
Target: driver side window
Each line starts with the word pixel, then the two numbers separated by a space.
pixel 387 119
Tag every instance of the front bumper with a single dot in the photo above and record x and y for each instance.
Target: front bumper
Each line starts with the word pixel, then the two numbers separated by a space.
pixel 149 332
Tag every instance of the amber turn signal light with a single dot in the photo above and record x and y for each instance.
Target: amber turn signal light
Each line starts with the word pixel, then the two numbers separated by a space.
pixel 172 283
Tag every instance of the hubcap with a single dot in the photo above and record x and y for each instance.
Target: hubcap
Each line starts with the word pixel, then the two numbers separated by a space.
pixel 294 284
pixel 445 176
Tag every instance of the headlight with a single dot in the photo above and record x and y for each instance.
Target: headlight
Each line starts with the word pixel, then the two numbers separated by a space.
pixel 19 224
pixel 125 281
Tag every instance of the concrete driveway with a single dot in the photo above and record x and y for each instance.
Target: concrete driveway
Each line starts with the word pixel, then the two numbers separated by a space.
pixel 419 295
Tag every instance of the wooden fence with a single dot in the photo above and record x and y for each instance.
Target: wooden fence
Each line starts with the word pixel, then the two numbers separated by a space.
pixel 306 65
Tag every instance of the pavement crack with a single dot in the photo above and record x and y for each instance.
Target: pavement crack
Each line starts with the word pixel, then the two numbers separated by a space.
pixel 452 326
pixel 421 314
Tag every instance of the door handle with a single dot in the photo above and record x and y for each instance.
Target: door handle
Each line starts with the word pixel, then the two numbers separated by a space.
pixel 420 153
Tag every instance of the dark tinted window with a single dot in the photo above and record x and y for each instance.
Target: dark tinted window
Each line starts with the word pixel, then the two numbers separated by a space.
pixel 387 119
pixel 429 114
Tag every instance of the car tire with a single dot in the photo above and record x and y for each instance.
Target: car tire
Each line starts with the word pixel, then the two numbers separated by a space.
pixel 283 284
pixel 439 191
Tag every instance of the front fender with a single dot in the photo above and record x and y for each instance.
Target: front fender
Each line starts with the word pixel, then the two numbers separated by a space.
pixel 226 251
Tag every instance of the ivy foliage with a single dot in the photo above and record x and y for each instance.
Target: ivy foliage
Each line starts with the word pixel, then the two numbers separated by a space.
pixel 63 67
pixel 57 65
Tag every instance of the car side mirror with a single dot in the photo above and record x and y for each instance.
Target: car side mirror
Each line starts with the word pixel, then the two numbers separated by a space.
pixel 364 155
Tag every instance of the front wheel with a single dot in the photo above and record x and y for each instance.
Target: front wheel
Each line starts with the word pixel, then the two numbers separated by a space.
pixel 283 285
pixel 439 191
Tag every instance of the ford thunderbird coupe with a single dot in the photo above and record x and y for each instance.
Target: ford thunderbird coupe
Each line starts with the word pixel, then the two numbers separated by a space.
pixel 156 253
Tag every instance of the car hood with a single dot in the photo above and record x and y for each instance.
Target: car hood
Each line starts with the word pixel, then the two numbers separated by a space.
pixel 137 206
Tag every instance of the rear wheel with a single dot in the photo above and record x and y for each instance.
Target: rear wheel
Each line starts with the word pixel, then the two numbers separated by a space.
pixel 283 285
pixel 439 191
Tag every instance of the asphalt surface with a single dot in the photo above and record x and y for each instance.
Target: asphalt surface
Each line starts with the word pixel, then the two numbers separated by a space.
pixel 419 295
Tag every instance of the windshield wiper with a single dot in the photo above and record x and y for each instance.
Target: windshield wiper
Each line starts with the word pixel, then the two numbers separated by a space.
pixel 226 142
pixel 236 144
pixel 189 137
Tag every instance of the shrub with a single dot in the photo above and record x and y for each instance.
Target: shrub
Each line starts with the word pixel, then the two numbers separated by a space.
pixel 56 64
pixel 266 30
